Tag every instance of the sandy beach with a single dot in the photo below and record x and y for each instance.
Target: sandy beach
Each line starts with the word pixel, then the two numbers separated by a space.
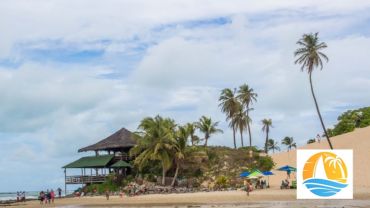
pixel 359 141
pixel 258 198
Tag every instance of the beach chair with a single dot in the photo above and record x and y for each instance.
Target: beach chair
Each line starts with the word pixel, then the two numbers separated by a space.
pixel 294 185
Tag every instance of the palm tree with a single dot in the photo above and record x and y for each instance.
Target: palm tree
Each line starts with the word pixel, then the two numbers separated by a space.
pixel 191 128
pixel 267 123
pixel 240 121
pixel 289 142
pixel 272 145
pixel 207 126
pixel 181 139
pixel 229 105
pixel 310 141
pixel 247 96
pixel 156 142
pixel 310 57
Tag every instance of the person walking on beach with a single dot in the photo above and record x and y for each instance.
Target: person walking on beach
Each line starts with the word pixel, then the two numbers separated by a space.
pixel 42 197
pixel 23 196
pixel 318 138
pixel 59 193
pixel 107 194
pixel 52 196
pixel 48 197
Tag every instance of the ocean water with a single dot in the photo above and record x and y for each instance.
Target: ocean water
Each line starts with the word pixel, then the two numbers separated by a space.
pixel 13 195
pixel 6 196
pixel 324 187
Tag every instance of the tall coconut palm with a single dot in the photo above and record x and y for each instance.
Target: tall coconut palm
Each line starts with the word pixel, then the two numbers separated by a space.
pixel 181 139
pixel 229 105
pixel 267 124
pixel 156 142
pixel 310 56
pixel 289 142
pixel 240 121
pixel 273 145
pixel 191 128
pixel 208 127
pixel 247 96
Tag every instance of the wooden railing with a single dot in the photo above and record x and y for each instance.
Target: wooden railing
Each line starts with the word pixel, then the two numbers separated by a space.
pixel 85 179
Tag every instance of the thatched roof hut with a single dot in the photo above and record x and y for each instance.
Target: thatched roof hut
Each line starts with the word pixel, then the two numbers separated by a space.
pixel 122 140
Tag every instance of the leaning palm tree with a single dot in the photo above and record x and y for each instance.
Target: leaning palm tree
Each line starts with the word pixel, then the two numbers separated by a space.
pixel 273 145
pixel 240 121
pixel 229 105
pixel 191 128
pixel 289 142
pixel 310 57
pixel 267 123
pixel 156 141
pixel 208 127
pixel 246 97
pixel 181 139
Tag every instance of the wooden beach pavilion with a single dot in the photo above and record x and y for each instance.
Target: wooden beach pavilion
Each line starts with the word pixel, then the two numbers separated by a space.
pixel 111 156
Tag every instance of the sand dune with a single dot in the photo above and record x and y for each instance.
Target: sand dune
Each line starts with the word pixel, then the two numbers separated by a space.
pixel 358 140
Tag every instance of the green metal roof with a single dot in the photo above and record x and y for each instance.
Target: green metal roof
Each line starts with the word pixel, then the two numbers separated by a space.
pixel 121 164
pixel 91 162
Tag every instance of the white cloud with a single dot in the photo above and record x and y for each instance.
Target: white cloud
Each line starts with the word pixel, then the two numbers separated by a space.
pixel 53 108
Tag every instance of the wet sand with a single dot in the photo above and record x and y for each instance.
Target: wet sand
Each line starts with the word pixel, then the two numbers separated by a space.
pixel 258 198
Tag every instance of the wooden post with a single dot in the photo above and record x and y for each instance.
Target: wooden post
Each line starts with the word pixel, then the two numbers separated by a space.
pixel 65 181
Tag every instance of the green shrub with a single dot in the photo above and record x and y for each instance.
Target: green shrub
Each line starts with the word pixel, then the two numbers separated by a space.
pixel 221 182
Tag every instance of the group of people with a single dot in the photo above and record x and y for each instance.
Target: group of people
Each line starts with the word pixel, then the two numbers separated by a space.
pixel 261 184
pixel 48 197
pixel 21 196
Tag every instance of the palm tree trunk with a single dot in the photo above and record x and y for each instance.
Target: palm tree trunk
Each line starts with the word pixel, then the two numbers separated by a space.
pixel 234 137
pixel 318 112
pixel 163 175
pixel 267 136
pixel 241 136
pixel 192 141
pixel 176 173
pixel 249 130
pixel 206 141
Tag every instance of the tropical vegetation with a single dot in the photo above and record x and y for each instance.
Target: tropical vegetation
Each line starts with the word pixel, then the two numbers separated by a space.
pixel 350 120
pixel 266 125
pixel 237 107
pixel 273 145
pixel 289 142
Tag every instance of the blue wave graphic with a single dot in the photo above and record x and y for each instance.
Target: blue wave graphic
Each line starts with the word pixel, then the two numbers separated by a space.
pixel 324 187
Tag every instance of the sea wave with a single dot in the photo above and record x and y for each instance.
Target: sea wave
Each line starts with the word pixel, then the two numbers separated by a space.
pixel 324 187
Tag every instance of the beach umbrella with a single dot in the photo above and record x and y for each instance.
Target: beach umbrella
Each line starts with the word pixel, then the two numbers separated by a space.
pixel 256 173
pixel 288 169
pixel 252 177
pixel 244 174
pixel 268 173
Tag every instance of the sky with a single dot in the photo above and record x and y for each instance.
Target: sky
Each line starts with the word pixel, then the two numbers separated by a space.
pixel 74 72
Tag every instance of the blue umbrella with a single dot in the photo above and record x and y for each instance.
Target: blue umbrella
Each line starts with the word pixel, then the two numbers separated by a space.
pixel 288 169
pixel 267 173
pixel 244 174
